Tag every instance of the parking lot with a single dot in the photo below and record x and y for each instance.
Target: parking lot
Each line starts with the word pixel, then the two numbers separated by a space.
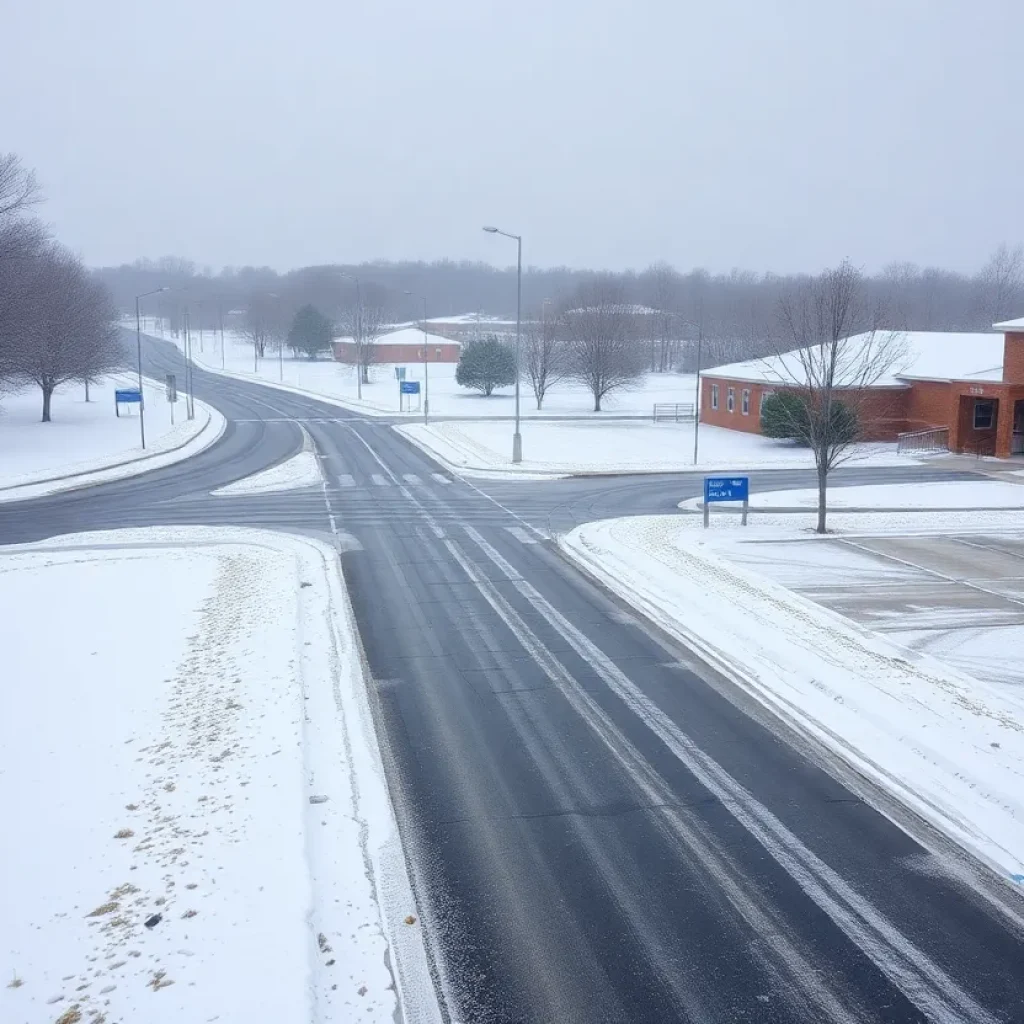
pixel 958 598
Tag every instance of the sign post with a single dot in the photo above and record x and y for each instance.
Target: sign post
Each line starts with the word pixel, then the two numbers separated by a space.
pixel 407 387
pixel 126 396
pixel 726 488
pixel 172 393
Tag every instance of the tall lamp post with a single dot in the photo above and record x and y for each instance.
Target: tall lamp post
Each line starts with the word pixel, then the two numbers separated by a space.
pixel 517 438
pixel 359 332
pixel 138 354
pixel 699 328
pixel 426 359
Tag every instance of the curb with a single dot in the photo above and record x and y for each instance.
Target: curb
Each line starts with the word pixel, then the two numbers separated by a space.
pixel 96 470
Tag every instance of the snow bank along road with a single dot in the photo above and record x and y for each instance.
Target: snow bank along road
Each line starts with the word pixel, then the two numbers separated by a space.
pixel 598 827
pixel 194 773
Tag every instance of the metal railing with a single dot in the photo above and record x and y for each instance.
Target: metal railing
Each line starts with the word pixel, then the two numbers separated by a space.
pixel 677 412
pixel 935 439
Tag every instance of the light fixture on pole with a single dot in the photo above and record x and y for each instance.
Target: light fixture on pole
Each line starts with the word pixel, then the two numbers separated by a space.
pixel 359 332
pixel 517 438
pixel 138 355
pixel 426 360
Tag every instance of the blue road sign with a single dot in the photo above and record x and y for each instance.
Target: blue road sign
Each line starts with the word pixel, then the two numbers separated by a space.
pixel 726 488
pixel 409 387
pixel 128 395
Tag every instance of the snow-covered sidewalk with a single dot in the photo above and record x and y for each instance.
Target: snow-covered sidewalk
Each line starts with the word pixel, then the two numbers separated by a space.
pixel 582 447
pixel 86 443
pixel 947 745
pixel 199 824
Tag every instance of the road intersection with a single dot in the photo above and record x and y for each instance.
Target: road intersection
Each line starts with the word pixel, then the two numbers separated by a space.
pixel 597 828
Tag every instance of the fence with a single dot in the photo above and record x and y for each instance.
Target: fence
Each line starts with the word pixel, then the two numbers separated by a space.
pixel 934 440
pixel 677 412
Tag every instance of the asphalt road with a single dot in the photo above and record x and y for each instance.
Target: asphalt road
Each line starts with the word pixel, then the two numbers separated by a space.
pixel 598 828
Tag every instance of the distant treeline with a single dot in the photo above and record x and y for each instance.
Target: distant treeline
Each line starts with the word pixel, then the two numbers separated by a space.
pixel 731 312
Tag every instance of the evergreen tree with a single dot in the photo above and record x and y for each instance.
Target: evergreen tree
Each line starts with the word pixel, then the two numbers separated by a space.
pixel 311 332
pixel 486 365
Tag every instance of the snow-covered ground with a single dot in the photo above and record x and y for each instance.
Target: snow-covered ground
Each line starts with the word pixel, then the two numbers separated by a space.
pixel 337 381
pixel 580 447
pixel 947 744
pixel 953 494
pixel 88 438
pixel 197 822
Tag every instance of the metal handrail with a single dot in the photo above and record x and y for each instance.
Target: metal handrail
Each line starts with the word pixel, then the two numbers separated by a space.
pixel 933 439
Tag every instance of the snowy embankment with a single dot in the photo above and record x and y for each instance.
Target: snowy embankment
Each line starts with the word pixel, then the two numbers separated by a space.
pixel 948 746
pixel 578 448
pixel 86 443
pixel 301 470
pixel 203 829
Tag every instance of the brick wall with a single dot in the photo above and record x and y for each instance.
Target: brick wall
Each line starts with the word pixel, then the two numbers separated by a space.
pixel 882 411
pixel 345 352
pixel 735 420
pixel 1013 358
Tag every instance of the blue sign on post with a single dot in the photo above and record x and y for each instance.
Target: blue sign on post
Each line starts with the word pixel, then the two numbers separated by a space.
pixel 726 488
pixel 126 396
pixel 409 387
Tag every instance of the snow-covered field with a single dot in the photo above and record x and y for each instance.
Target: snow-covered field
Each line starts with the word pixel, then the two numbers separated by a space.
pixel 380 397
pixel 952 494
pixel 197 823
pixel 580 447
pixel 947 744
pixel 87 437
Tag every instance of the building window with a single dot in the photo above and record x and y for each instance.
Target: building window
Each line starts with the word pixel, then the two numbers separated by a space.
pixel 714 396
pixel 760 406
pixel 984 414
pixel 437 353
pixel 730 400
pixel 745 402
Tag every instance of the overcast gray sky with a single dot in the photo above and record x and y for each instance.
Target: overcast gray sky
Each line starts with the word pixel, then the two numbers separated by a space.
pixel 766 135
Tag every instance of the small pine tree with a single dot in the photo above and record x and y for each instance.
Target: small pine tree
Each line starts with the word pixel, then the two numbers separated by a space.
pixel 311 332
pixel 486 365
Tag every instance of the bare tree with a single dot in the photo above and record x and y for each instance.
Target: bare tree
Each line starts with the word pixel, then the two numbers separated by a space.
pixel 1001 284
pixel 263 323
pixel 365 322
pixel 18 187
pixel 661 288
pixel 832 351
pixel 544 353
pixel 600 327
pixel 64 325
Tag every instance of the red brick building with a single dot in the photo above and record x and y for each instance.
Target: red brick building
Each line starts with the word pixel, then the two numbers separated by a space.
pixel 969 385
pixel 402 347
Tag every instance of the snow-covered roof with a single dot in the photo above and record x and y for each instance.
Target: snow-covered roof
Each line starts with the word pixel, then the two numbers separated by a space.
pixel 405 336
pixel 1010 325
pixel 924 355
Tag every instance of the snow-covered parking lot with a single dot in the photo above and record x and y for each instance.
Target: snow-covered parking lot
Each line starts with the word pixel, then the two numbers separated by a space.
pixel 761 603
pixel 197 826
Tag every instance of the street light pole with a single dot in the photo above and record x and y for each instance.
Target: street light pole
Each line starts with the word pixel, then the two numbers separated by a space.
pixel 359 333
pixel 426 361
pixel 517 438
pixel 138 356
